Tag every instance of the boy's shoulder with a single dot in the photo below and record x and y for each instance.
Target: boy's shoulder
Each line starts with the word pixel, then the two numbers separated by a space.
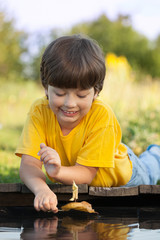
pixel 39 104
pixel 100 106
pixel 102 113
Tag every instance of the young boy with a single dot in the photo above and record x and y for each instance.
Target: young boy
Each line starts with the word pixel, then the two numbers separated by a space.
pixel 73 133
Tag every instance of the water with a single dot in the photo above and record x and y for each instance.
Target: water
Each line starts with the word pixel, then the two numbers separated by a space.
pixel 110 223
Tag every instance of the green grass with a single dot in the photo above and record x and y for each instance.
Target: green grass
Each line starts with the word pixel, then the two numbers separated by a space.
pixel 137 107
pixel 15 101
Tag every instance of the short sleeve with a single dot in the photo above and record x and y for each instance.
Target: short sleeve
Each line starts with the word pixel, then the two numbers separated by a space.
pixel 99 148
pixel 33 135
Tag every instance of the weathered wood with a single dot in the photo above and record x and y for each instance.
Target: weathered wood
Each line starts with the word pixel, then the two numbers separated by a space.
pixel 60 188
pixel 149 189
pixel 115 191
pixel 10 187
pixel 16 199
pixel 83 188
pixel 18 194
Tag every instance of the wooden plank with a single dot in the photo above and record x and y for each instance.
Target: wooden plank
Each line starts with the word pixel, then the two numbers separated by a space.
pixel 16 199
pixel 60 188
pixel 10 187
pixel 27 199
pixel 115 191
pixel 25 189
pixel 149 189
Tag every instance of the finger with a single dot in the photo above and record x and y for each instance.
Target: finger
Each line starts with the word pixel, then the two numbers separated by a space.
pixel 36 204
pixel 46 150
pixel 42 208
pixel 55 210
pixel 43 149
pixel 53 204
pixel 48 160
pixel 46 205
pixel 42 145
pixel 48 154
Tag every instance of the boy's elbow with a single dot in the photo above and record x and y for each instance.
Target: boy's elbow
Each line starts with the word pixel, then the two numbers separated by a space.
pixel 89 181
pixel 87 174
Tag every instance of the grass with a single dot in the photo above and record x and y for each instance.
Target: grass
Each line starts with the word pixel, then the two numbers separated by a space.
pixel 15 101
pixel 137 107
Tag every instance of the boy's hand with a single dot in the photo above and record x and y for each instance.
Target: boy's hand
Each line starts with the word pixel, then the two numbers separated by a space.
pixel 46 200
pixel 51 160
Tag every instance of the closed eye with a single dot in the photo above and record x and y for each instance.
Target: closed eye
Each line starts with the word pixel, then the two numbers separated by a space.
pixel 82 96
pixel 60 94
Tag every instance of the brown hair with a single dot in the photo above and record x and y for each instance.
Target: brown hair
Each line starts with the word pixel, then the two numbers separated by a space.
pixel 73 62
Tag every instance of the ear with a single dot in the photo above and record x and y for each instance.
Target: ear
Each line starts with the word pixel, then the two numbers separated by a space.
pixel 46 92
pixel 95 95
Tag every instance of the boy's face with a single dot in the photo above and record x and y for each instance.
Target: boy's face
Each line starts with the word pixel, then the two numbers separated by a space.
pixel 70 105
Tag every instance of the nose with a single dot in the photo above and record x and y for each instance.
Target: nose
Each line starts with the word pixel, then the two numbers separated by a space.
pixel 70 101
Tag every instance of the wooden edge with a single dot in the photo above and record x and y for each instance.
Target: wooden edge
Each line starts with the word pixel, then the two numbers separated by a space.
pixel 149 189
pixel 115 191
pixel 10 187
pixel 84 189
pixel 60 188
pixel 16 199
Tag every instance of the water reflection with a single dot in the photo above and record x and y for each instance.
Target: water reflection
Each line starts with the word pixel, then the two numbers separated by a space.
pixel 42 229
pixel 69 228
pixel 111 223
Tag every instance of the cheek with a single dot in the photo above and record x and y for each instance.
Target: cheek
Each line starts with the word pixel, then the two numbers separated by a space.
pixel 86 105
pixel 54 102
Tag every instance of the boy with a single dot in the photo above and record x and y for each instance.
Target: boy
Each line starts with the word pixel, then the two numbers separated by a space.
pixel 72 133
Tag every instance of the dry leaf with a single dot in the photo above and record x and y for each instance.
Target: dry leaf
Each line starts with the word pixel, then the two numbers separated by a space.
pixel 79 206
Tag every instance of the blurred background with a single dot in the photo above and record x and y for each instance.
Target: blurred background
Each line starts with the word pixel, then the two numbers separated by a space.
pixel 127 31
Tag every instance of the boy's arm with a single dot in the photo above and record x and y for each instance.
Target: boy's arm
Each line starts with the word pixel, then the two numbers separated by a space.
pixel 52 163
pixel 79 173
pixel 33 177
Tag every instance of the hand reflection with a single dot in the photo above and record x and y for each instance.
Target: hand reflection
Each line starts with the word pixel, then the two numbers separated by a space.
pixel 49 225
pixel 43 228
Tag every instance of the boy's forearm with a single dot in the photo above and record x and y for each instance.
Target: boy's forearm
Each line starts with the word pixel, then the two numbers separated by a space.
pixel 80 174
pixel 33 177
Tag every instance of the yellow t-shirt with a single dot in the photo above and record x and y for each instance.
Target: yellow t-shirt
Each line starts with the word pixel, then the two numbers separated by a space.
pixel 94 142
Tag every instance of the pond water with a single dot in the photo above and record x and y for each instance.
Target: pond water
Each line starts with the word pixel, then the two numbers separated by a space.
pixel 110 223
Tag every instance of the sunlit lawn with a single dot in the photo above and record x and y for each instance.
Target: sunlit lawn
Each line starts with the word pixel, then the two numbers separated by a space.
pixel 15 100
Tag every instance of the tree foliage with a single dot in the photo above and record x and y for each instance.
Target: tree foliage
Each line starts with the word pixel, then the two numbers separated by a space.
pixel 120 38
pixel 12 48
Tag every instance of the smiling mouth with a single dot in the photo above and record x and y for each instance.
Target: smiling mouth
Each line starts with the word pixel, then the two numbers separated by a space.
pixel 69 113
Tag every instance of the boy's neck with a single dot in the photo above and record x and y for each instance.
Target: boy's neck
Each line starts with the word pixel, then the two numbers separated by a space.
pixel 66 131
